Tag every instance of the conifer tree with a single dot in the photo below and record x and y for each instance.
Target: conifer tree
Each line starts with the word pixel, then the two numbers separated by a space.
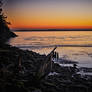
pixel 5 32
pixel 3 22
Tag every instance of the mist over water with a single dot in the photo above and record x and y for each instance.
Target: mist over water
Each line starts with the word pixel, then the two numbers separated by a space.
pixel 72 45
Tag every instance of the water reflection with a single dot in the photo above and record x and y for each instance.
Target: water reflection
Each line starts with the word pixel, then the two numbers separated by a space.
pixel 43 43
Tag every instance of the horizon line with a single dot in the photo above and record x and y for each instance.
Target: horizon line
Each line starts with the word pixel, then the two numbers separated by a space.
pixel 52 29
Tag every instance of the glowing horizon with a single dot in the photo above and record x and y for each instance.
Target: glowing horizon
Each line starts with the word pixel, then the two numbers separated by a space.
pixel 50 14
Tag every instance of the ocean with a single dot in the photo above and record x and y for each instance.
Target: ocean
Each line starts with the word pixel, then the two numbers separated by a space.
pixel 71 45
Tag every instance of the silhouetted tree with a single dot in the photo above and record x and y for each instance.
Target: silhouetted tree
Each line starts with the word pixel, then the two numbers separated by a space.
pixel 5 32
pixel 3 22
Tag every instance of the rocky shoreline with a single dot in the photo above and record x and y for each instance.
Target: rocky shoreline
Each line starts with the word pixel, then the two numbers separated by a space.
pixel 19 72
pixel 65 79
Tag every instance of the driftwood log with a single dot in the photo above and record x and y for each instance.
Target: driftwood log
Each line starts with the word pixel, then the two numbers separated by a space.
pixel 46 67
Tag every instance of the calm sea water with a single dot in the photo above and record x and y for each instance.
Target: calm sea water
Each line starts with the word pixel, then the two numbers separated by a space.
pixel 73 42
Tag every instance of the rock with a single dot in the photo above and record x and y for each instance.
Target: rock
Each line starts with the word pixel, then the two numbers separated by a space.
pixel 37 90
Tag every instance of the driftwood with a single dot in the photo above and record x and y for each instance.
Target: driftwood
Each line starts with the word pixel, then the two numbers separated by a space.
pixel 46 67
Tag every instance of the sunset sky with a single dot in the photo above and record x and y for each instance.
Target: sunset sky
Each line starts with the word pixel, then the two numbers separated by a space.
pixel 49 13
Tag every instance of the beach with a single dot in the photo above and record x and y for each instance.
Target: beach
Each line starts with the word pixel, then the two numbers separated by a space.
pixel 19 71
